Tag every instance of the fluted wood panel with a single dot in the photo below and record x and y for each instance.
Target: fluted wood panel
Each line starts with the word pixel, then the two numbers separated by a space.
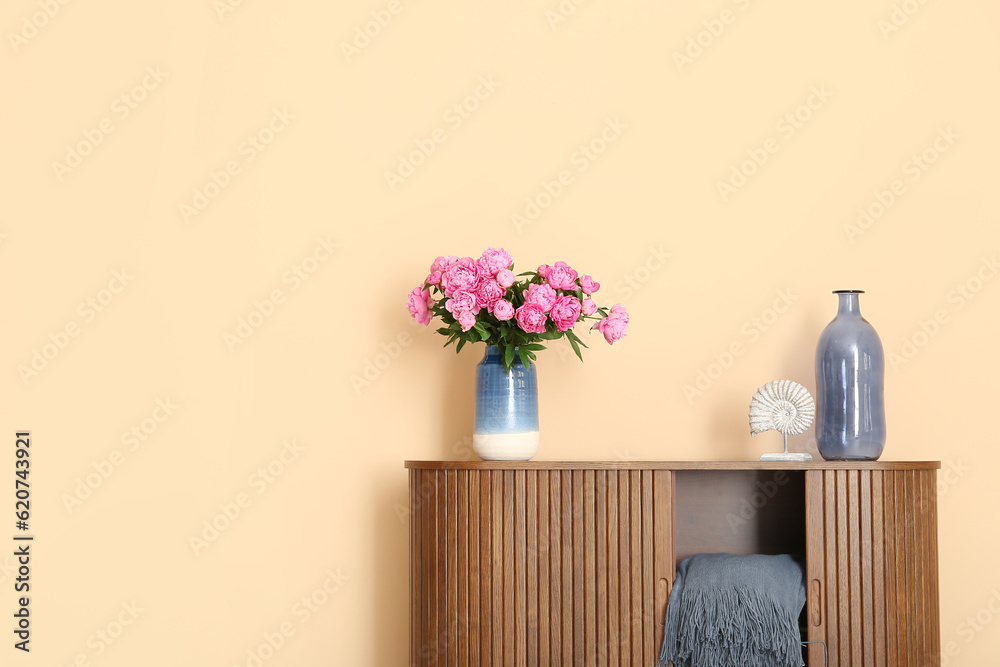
pixel 872 567
pixel 529 568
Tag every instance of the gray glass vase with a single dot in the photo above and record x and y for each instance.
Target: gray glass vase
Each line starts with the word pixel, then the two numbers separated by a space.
pixel 850 381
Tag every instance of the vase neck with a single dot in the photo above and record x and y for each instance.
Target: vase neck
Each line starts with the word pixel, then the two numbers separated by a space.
pixel 849 305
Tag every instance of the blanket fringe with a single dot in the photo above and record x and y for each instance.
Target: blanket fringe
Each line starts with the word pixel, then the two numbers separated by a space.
pixel 737 626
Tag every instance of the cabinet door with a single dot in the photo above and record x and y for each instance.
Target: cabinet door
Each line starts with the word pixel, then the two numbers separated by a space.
pixel 872 567
pixel 546 568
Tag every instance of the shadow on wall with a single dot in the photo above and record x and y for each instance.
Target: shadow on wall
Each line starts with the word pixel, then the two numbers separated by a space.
pixel 730 430
pixel 391 586
pixel 457 402
pixel 799 365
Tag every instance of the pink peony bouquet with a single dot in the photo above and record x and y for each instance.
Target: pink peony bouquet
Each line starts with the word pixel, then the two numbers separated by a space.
pixel 482 300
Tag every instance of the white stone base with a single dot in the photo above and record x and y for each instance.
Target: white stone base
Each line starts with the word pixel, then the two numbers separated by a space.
pixel 506 446
pixel 787 456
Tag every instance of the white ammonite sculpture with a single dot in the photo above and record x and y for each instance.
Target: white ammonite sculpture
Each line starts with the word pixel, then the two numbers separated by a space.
pixel 783 406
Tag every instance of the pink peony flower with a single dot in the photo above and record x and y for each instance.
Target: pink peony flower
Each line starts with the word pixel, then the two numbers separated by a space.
pixel 462 302
pixel 505 278
pixel 418 301
pixel 494 261
pixel 530 318
pixel 503 310
pixel 613 326
pixel 489 293
pixel 442 263
pixel 561 276
pixel 589 285
pixel 542 296
pixel 589 307
pixel 543 270
pixel 461 275
pixel 565 312
pixel 433 278
pixel 467 320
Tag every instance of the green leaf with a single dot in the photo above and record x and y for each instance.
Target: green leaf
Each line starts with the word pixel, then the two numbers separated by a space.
pixel 450 340
pixel 576 347
pixel 523 354
pixel 574 338
pixel 461 344
pixel 530 354
pixel 508 357
pixel 444 331
pixel 533 346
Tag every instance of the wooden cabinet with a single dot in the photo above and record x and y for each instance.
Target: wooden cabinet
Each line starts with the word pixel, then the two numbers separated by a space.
pixel 570 563
pixel 872 565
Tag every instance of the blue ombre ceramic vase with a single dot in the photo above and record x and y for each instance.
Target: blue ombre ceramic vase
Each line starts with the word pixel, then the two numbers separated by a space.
pixel 506 427
pixel 850 381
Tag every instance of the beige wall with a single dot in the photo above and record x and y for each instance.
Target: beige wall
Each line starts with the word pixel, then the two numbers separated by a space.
pixel 162 100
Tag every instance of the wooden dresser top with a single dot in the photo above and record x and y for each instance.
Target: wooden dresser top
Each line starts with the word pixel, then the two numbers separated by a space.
pixel 672 465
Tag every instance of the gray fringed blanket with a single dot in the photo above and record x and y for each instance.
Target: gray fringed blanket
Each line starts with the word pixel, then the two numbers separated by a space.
pixel 735 611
